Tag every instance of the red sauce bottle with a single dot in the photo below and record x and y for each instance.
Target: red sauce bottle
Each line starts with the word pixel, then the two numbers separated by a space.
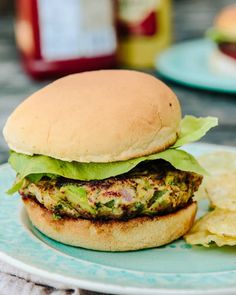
pixel 57 38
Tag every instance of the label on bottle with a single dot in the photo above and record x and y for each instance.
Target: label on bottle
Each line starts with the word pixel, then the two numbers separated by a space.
pixel 138 17
pixel 76 29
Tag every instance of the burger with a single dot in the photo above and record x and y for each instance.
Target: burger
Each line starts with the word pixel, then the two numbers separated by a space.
pixel 98 160
pixel 223 33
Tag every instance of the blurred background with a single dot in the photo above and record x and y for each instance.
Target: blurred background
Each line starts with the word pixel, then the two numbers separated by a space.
pixel 56 39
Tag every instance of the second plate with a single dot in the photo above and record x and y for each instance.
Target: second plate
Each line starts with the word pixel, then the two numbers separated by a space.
pixel 188 63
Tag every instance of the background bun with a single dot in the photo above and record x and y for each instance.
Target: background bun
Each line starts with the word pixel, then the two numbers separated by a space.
pixel 136 233
pixel 226 20
pixel 99 116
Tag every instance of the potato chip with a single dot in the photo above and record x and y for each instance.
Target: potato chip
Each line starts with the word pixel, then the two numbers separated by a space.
pixel 216 163
pixel 205 238
pixel 201 223
pixel 219 225
pixel 221 191
pixel 219 162
pixel 198 238
pixel 222 223
pixel 200 233
pixel 201 193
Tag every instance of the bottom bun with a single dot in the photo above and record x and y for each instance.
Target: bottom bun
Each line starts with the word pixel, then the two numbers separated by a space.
pixel 113 235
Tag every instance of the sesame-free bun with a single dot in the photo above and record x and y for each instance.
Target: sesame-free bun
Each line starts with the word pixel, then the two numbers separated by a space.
pixel 136 233
pixel 99 116
pixel 225 21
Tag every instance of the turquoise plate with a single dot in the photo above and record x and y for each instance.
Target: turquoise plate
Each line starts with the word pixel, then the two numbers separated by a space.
pixel 188 63
pixel 174 269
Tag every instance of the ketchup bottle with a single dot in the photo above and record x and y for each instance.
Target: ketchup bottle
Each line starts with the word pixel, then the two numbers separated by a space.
pixel 56 38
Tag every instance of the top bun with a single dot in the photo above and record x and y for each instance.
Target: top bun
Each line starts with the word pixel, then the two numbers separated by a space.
pixel 226 20
pixel 99 116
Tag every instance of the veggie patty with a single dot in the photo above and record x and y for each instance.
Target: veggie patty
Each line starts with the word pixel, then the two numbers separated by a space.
pixel 149 189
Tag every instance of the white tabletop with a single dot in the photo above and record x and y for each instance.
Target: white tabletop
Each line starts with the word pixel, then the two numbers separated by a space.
pixel 14 281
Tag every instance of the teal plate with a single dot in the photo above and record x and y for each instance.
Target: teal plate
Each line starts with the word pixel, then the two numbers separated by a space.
pixel 174 269
pixel 188 63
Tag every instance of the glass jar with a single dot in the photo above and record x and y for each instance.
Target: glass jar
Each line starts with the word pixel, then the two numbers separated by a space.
pixel 144 29
pixel 56 38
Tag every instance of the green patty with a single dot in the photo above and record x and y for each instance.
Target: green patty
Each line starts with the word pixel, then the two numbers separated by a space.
pixel 138 193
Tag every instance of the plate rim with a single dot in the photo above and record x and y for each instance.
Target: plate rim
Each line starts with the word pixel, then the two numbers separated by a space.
pixel 108 288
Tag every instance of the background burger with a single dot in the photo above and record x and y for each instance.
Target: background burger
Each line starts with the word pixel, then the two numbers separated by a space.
pixel 223 33
pixel 98 161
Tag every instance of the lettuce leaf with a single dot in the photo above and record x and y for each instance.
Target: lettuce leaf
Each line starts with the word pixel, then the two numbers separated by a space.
pixel 37 166
pixel 41 165
pixel 16 186
pixel 192 129
pixel 218 36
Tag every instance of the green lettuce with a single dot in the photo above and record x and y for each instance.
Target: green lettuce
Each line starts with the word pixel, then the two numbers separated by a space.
pixel 192 129
pixel 218 36
pixel 37 166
